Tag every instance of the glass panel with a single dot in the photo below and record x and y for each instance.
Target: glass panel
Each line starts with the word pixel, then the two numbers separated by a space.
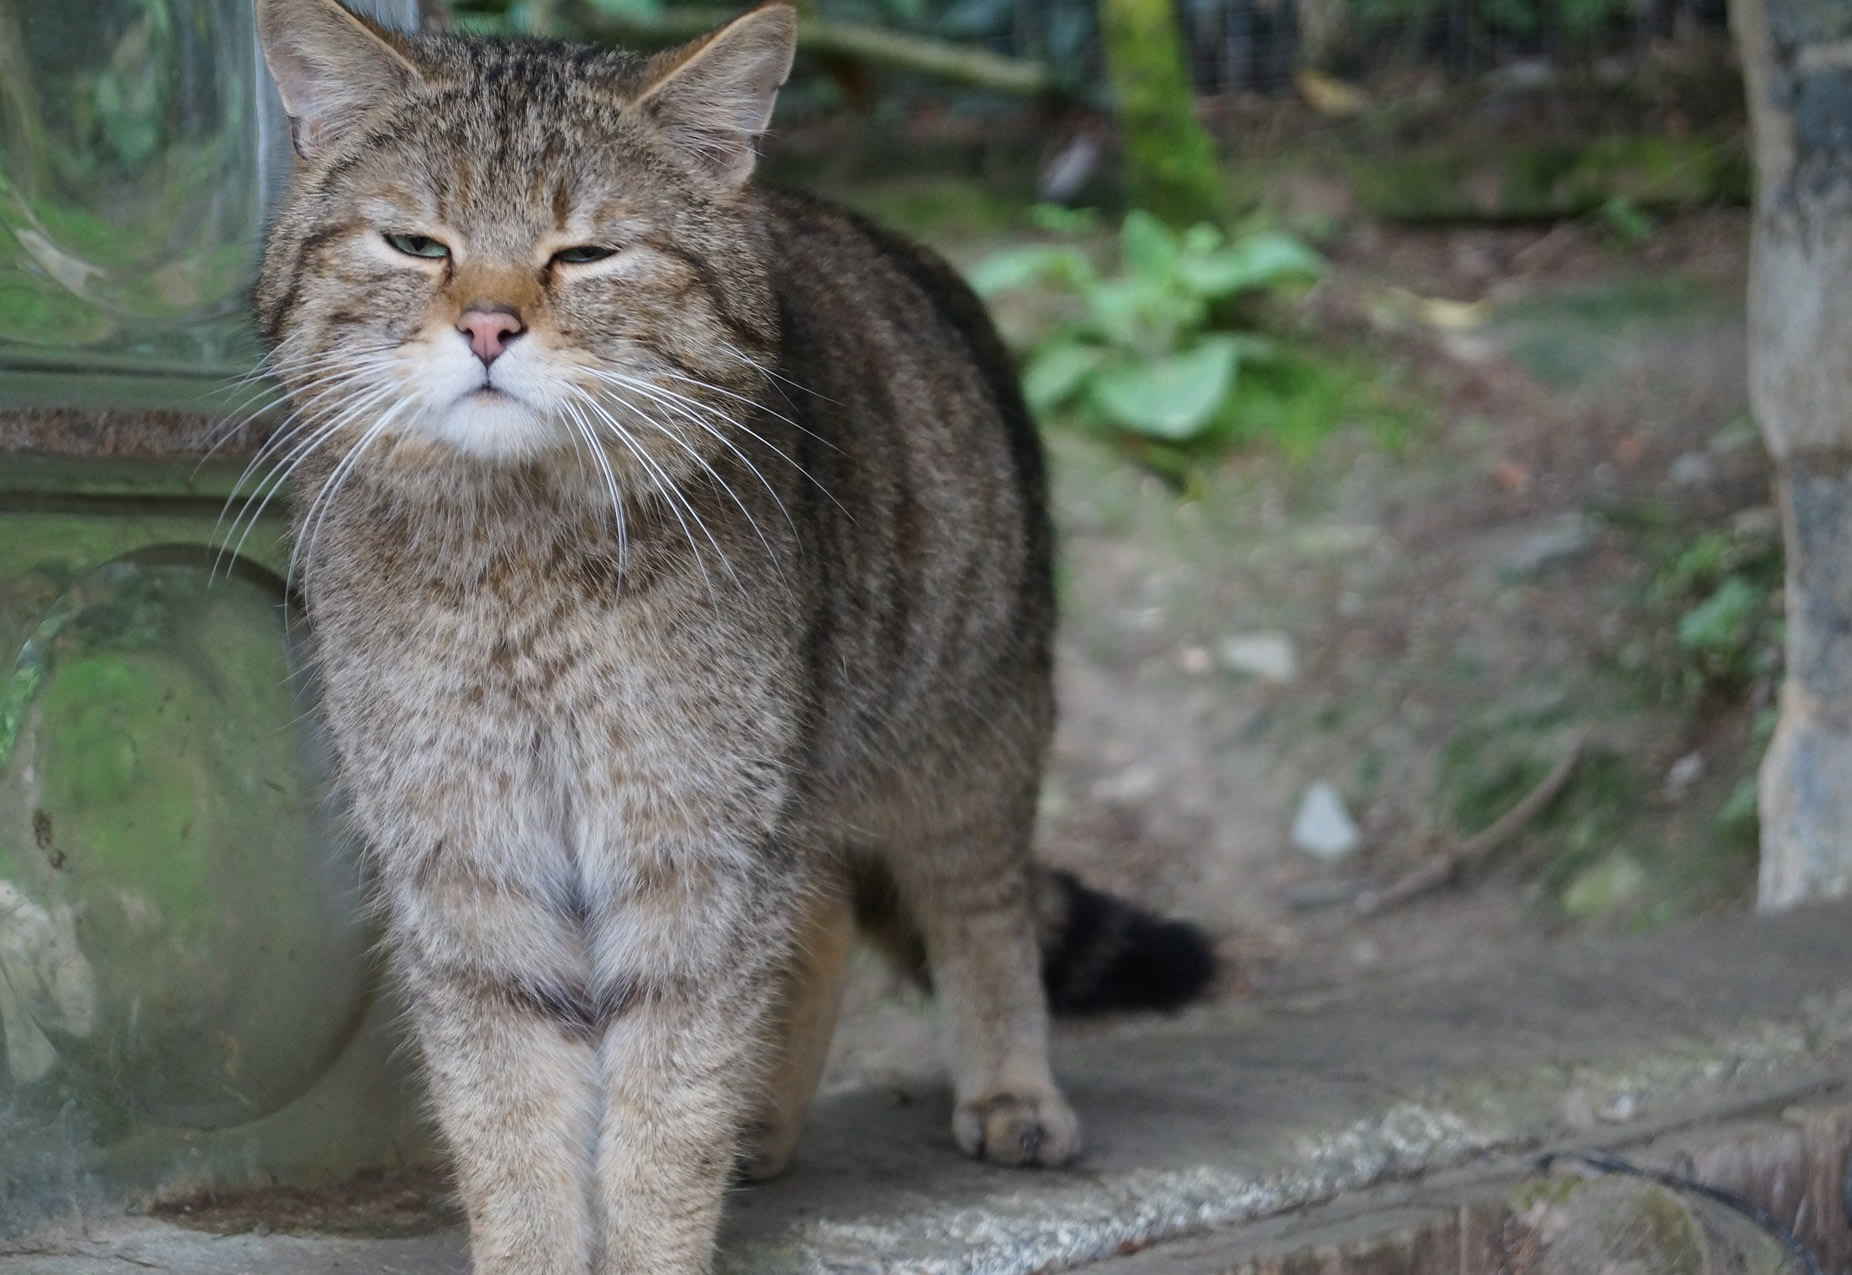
pixel 180 939
pixel 138 139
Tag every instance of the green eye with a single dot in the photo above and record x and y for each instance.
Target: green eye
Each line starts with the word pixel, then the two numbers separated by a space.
pixel 418 246
pixel 583 253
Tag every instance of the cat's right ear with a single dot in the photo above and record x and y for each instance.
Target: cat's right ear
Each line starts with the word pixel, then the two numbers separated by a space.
pixel 329 66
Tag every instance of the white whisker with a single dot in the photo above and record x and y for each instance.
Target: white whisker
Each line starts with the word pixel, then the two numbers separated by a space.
pixel 702 461
pixel 349 406
pixel 664 487
pixel 662 393
pixel 317 514
pixel 582 430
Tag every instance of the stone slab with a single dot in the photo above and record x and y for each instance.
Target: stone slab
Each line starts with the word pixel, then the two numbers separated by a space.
pixel 1231 1115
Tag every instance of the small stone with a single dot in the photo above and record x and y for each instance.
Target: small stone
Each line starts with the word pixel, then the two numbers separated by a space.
pixel 1605 886
pixel 1323 828
pixel 1619 1109
pixel 1684 773
pixel 1578 1109
pixel 1337 539
pixel 1692 469
pixel 1734 437
pixel 1523 75
pixel 1322 894
pixel 1559 540
pixel 1756 523
pixel 1474 349
pixel 1133 784
pixel 1267 656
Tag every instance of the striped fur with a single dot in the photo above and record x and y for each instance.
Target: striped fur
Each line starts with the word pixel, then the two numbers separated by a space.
pixel 724 587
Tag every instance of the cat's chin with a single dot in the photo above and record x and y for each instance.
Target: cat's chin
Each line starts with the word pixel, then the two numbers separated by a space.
pixel 493 425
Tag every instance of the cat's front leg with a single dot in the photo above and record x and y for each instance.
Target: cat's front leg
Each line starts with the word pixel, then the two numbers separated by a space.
pixel 501 1016
pixel 683 1063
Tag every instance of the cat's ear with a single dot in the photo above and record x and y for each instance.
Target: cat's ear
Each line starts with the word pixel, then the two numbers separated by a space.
pixel 329 66
pixel 714 98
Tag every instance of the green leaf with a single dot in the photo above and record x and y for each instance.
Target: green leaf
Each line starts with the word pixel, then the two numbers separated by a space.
pixel 1254 261
pixel 1625 219
pixel 1117 310
pixel 1171 398
pixel 1723 622
pixel 1255 349
pixel 1055 372
pixel 1144 315
pixel 1203 238
pixel 1057 220
pixel 1148 246
pixel 1015 268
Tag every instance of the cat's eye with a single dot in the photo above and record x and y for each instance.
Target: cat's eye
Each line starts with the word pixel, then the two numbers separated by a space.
pixel 583 253
pixel 418 246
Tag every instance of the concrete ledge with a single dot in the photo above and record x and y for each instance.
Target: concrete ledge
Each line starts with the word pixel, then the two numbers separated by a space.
pixel 1204 1127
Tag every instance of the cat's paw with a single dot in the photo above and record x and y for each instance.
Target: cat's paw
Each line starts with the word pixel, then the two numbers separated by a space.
pixel 765 1151
pixel 1018 1129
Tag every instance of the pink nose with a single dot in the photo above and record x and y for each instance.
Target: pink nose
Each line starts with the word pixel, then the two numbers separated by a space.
pixel 489 330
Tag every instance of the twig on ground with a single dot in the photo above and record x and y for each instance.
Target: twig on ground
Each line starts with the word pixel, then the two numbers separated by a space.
pixel 1444 866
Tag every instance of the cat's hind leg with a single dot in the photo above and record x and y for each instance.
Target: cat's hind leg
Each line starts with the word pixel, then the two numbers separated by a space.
pixel 965 876
pixel 799 1035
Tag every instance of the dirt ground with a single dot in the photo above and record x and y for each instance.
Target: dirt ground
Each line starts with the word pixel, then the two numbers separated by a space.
pixel 1465 600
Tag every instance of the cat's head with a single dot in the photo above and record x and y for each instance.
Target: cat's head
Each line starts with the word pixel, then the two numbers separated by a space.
pixel 505 250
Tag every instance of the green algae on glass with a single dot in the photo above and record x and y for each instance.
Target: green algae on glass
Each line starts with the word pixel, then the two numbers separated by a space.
pixel 163 795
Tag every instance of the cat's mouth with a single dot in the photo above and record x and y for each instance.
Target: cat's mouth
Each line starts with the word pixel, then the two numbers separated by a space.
pixel 493 423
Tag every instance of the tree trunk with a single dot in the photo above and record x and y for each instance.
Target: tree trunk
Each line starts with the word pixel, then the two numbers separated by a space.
pixel 1170 163
pixel 1797 61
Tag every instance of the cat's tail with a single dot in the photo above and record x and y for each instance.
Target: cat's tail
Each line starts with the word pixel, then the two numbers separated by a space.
pixel 1102 953
pixel 1099 952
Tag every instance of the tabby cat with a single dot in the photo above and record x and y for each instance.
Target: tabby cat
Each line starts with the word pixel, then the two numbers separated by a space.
pixel 678 571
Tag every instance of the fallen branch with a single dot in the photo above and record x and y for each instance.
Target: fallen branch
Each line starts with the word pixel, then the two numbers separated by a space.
pixel 860 40
pixel 1443 866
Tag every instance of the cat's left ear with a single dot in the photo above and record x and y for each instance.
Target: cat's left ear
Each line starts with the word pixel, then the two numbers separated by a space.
pixel 714 99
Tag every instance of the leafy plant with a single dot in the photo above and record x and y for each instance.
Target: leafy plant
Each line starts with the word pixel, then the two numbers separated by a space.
pixel 1151 350
pixel 1728 632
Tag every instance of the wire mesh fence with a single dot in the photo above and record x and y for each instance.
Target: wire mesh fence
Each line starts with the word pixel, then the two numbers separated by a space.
pixel 1260 46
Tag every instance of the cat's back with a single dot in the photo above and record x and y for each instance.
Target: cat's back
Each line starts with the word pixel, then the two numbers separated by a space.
pixel 893 360
pixel 929 510
pixel 856 298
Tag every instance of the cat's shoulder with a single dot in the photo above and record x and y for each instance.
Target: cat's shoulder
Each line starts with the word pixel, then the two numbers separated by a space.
pixel 818 236
pixel 805 224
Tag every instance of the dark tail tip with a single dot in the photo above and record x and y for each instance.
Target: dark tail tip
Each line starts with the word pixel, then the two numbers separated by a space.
pixel 1102 953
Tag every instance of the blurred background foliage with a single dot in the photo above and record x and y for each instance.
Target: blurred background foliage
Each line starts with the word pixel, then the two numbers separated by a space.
pixel 1071 103
pixel 1233 45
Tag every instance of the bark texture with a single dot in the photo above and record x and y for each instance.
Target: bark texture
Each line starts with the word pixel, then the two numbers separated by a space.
pixel 1797 59
pixel 1171 167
